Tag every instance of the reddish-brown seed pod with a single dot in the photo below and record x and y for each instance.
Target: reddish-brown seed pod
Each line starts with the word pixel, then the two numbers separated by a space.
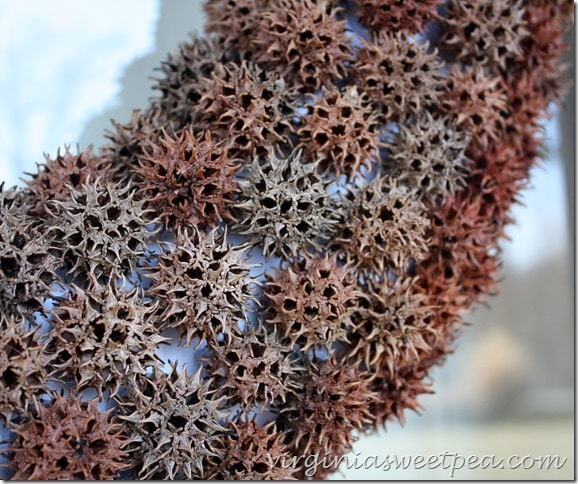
pixel 400 76
pixel 408 16
pixel 339 132
pixel 188 180
pixel 311 302
pixel 68 440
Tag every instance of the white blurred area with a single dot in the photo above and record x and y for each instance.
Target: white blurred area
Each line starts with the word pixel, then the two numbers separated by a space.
pixel 67 67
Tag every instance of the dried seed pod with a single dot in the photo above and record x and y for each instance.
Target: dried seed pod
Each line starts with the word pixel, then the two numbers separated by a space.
pixel 174 422
pixel 320 420
pixel 285 207
pixel 477 101
pixel 102 231
pixel 429 155
pixel 234 22
pixel 340 132
pixel 56 176
pixel 201 284
pixel 24 373
pixel 252 452
pixel 128 141
pixel 28 264
pixel 180 84
pixel 303 40
pixel 399 75
pixel 102 338
pixel 409 16
pixel 188 180
pixel 68 440
pixel 391 322
pixel 253 369
pixel 311 301
pixel 386 227
pixel 483 32
pixel 248 107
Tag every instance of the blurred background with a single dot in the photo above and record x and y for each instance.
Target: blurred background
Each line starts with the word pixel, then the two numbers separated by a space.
pixel 68 67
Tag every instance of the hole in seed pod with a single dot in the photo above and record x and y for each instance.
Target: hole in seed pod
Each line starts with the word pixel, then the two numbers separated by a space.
pixel 74 179
pixel 305 35
pixel 62 463
pixel 286 206
pixel 9 378
pixel 477 119
pixel 321 139
pixel 303 227
pixel 9 266
pixel 93 221
pixel 329 292
pixel 99 330
pixel 206 291
pixel 113 213
pixel 246 100
pixel 289 305
pixel 311 311
pixel 177 421
pixel 448 273
pixel 338 130
pixel 268 202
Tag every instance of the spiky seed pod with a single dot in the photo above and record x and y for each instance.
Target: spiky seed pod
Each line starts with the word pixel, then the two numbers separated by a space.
pixel 253 369
pixel 398 393
pixel 311 301
pixel 305 41
pixel 385 227
pixel 285 207
pixel 340 132
pixel 128 141
pixel 543 48
pixel 102 338
pixel 321 419
pixel 101 231
pixel 391 321
pixel 234 22
pixel 462 263
pixel 477 101
pixel 409 16
pixel 28 264
pixel 68 440
pixel 483 32
pixel 201 284
pixel 174 422
pixel 56 176
pixel 188 180
pixel 429 155
pixel 252 452
pixel 24 373
pixel 180 85
pixel 398 74
pixel 248 107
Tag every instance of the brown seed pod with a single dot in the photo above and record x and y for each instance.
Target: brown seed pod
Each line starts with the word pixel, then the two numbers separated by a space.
pixel 101 231
pixel 180 85
pixel 28 264
pixel 484 33
pixel 24 374
pixel 320 420
pixel 429 155
pixel 385 227
pixel 102 337
pixel 68 440
pixel 303 40
pixel 56 176
pixel 188 180
pixel 477 100
pixel 254 369
pixel 391 322
pixel 399 75
pixel 174 423
pixel 247 106
pixel 252 452
pixel 339 131
pixel 285 207
pixel 202 285
pixel 311 301
pixel 408 16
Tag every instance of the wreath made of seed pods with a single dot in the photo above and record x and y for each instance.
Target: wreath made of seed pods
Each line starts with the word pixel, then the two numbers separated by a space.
pixel 312 201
